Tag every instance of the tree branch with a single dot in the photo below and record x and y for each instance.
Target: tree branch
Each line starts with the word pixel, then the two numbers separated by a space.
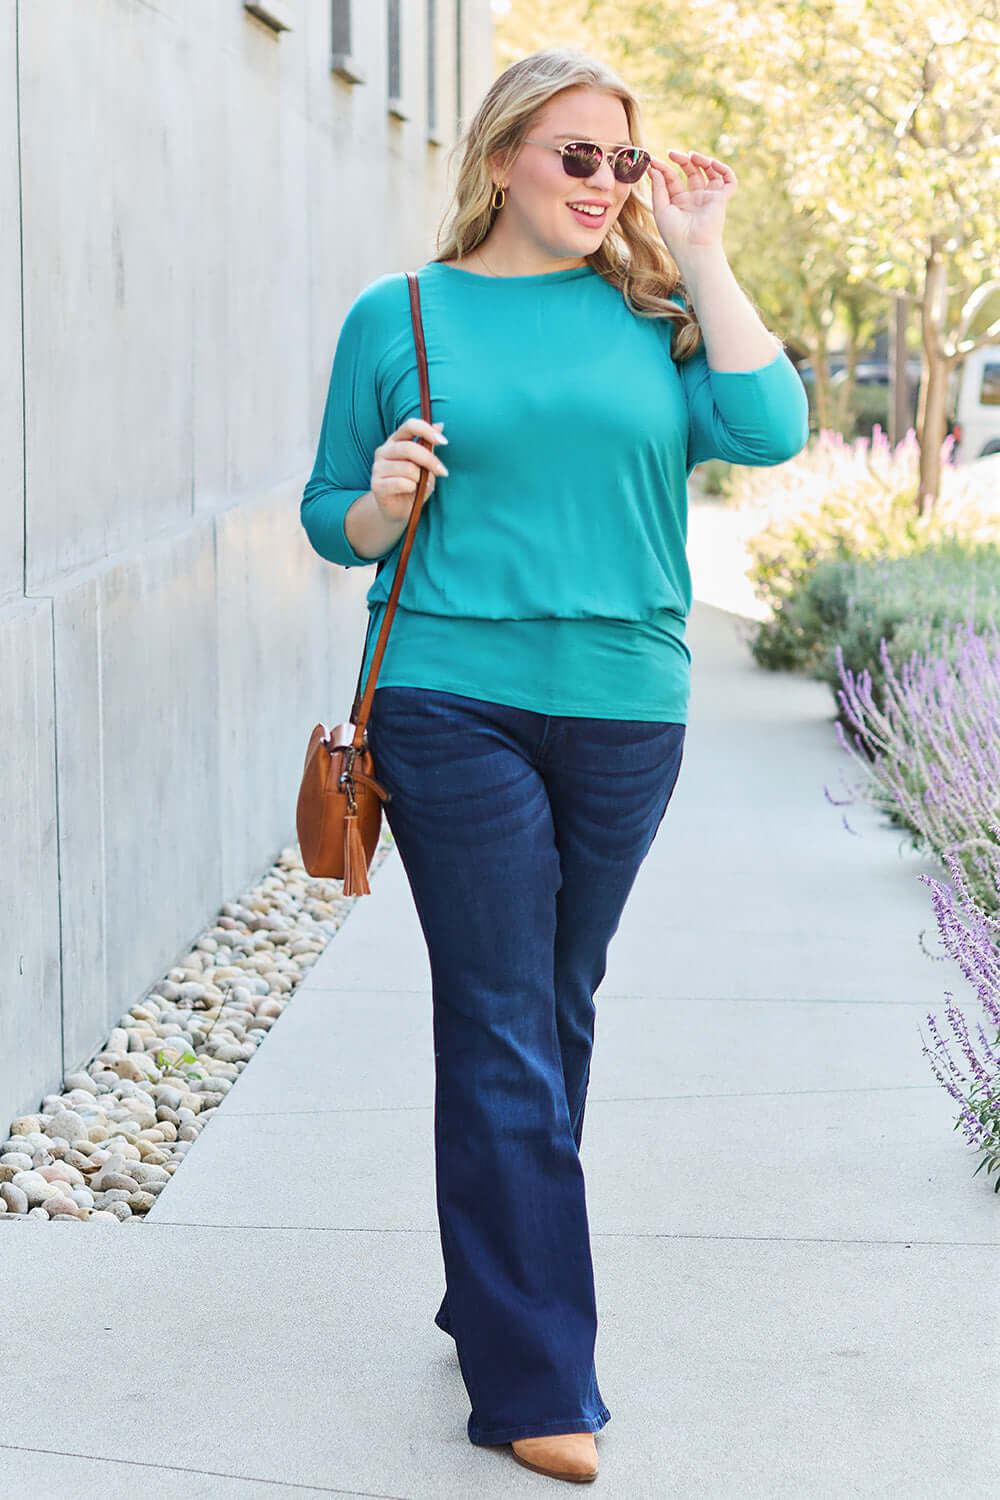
pixel 991 336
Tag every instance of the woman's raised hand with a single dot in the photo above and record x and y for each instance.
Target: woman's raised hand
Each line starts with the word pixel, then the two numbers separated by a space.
pixel 398 464
pixel 690 193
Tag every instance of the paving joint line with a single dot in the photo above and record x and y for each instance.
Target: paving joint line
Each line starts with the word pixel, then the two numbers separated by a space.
pixel 607 1234
pixel 875 1088
pixel 393 1109
pixel 137 1463
pixel 653 996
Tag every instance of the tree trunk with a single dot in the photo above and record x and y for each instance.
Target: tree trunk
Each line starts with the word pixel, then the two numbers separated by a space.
pixel 934 411
pixel 822 397
pixel 845 407
pixel 818 318
pixel 846 419
pixel 899 385
pixel 932 416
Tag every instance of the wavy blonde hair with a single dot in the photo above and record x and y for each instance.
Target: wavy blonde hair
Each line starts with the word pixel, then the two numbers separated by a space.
pixel 632 257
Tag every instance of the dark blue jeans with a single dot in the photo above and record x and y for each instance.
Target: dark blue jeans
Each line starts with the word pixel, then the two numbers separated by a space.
pixel 521 835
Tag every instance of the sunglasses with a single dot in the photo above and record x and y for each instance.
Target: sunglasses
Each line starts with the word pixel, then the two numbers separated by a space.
pixel 582 159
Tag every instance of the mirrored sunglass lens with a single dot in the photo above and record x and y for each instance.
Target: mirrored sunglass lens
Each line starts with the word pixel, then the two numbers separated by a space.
pixel 581 160
pixel 630 165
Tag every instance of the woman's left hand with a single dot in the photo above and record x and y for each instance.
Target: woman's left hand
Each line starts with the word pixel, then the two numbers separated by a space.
pixel 690 193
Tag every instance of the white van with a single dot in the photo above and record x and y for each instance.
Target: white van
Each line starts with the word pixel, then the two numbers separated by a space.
pixel 975 404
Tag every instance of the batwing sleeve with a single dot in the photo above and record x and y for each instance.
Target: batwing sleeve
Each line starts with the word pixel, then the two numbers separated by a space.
pixel 351 430
pixel 756 417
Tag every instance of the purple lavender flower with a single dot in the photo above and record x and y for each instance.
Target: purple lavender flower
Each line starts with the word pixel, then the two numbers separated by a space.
pixel 929 751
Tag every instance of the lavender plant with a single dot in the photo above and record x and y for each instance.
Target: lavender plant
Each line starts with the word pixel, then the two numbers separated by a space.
pixel 929 755
pixel 928 748
pixel 971 936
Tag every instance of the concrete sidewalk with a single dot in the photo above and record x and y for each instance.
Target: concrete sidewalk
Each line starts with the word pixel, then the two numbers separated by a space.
pixel 796 1271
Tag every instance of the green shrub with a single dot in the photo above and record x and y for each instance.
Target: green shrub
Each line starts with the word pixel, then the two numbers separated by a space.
pixel 909 602
pixel 843 503
pixel 802 572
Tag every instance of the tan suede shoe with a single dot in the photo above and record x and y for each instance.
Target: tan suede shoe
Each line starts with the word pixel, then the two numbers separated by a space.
pixel 568 1455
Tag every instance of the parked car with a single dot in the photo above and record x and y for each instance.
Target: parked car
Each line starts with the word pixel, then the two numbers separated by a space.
pixel 870 401
pixel 975 404
pixel 871 394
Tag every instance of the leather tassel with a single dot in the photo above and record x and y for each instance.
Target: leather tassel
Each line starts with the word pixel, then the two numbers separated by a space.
pixel 355 863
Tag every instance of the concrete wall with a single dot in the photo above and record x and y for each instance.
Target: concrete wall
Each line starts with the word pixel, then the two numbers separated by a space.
pixel 190 201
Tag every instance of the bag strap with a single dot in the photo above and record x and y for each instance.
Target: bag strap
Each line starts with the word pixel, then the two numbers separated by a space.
pixel 361 710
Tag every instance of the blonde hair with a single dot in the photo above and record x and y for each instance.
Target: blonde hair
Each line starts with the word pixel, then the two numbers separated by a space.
pixel 632 257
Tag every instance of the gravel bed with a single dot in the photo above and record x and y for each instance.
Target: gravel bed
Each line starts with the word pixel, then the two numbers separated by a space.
pixel 107 1146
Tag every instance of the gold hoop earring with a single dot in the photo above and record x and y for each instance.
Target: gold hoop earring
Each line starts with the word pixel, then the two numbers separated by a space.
pixel 499 198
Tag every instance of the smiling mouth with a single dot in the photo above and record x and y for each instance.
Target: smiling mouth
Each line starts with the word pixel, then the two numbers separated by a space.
pixel 593 211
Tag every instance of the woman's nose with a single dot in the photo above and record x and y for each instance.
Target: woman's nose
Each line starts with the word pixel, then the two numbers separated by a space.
pixel 604 177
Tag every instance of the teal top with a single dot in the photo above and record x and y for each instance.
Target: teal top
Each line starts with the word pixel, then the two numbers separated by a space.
pixel 548 570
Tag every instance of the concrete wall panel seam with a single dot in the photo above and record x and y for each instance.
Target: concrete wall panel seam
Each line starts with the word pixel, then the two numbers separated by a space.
pixel 20 274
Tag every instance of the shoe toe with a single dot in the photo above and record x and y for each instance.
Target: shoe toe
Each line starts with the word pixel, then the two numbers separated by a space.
pixel 571 1455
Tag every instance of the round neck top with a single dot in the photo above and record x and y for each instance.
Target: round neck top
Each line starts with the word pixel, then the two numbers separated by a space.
pixel 549 570
pixel 570 273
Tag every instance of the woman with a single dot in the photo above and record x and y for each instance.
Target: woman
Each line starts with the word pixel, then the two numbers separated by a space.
pixel 587 347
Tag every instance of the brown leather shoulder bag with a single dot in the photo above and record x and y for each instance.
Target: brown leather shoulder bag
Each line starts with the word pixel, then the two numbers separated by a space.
pixel 338 816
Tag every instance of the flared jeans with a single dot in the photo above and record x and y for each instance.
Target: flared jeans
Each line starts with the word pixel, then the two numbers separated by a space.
pixel 521 835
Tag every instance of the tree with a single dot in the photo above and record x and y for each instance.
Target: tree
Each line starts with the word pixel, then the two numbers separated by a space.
pixel 865 132
pixel 792 267
pixel 902 131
